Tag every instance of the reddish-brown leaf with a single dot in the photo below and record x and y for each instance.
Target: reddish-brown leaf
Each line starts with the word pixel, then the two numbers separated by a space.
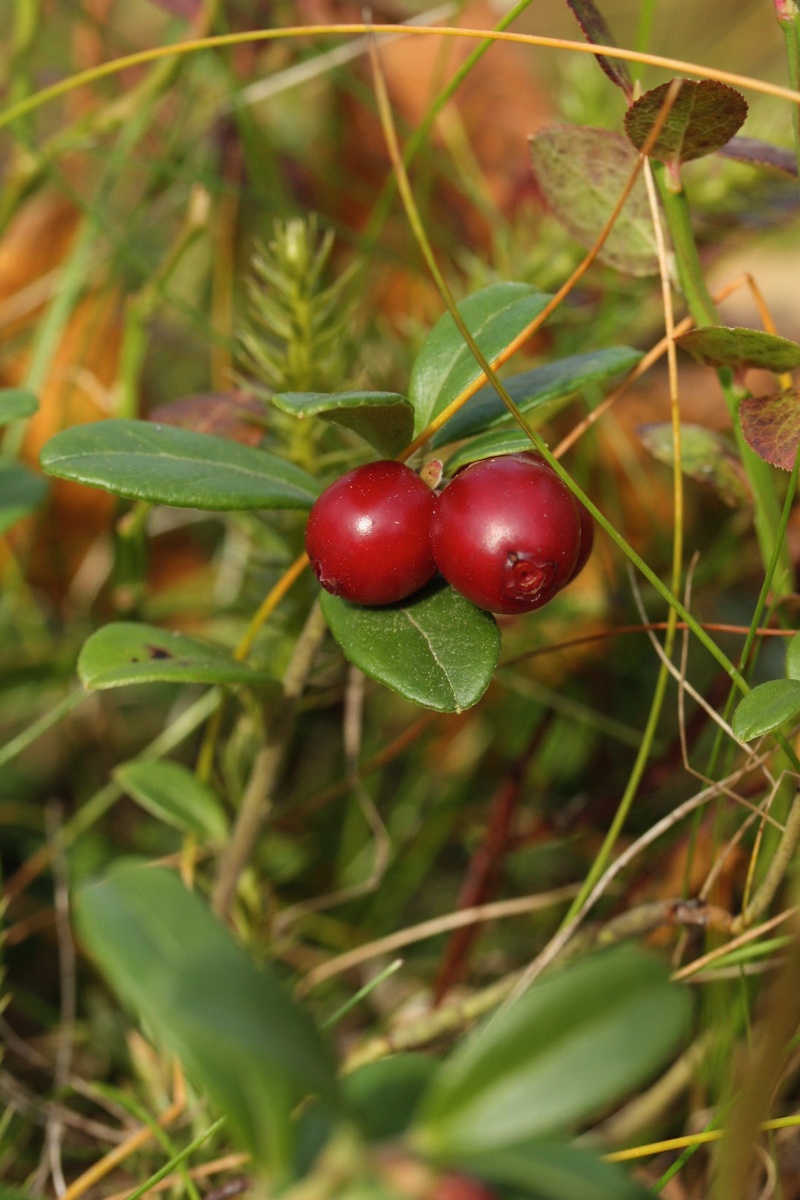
pixel 776 159
pixel 771 426
pixel 597 32
pixel 704 116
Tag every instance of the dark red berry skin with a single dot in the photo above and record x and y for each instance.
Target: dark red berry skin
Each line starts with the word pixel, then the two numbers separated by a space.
pixel 506 533
pixel 368 534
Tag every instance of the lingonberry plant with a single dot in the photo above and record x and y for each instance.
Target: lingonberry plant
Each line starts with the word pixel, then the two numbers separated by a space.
pixel 229 797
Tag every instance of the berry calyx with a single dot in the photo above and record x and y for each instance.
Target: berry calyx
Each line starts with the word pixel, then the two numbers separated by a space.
pixel 368 534
pixel 507 533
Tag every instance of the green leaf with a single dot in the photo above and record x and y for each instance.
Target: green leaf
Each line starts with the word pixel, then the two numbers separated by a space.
pixel 445 365
pixel 16 403
pixel 533 389
pixel 125 652
pixel 720 346
pixel 555 1171
pixel 705 456
pixel 766 707
pixel 580 172
pixel 384 419
pixel 165 464
pixel 239 1036
pixel 489 445
pixel 704 116
pixel 436 648
pixel 21 493
pixel 597 31
pixel 771 426
pixel 382 1096
pixel 175 796
pixel 572 1044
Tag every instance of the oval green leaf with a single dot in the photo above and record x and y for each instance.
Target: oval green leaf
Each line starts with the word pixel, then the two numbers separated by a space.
pixel 705 456
pixel 125 652
pixel 165 464
pixel 16 403
pixel 445 365
pixel 239 1036
pixel 21 493
pixel 581 172
pixel 384 419
pixel 719 346
pixel 532 390
pixel 767 707
pixel 436 648
pixel 793 657
pixel 572 1044
pixel 172 794
pixel 771 426
pixel 704 116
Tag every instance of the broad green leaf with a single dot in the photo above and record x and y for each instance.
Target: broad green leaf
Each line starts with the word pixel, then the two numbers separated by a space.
pixel 532 390
pixel 21 493
pixel 771 426
pixel 174 795
pixel 555 1171
pixel 382 1096
pixel 720 346
pixel 165 464
pixel 705 456
pixel 445 365
pixel 436 648
pixel 487 445
pixel 581 172
pixel 793 657
pixel 766 707
pixel 597 31
pixel 126 652
pixel 384 419
pixel 572 1044
pixel 704 116
pixel 239 1036
pixel 16 403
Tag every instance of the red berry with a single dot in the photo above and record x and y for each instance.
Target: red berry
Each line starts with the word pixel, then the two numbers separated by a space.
pixel 506 533
pixel 587 540
pixel 368 534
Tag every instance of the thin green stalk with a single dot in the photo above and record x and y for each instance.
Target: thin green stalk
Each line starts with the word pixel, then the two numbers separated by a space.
pixel 21 742
pixel 702 308
pixel 788 18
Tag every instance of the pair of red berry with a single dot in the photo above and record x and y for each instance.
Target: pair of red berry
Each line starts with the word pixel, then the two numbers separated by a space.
pixel 506 532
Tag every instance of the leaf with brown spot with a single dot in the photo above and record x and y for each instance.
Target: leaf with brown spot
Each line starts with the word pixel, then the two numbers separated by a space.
pixel 771 426
pixel 597 33
pixel 238 416
pixel 704 116
pixel 722 346
pixel 580 172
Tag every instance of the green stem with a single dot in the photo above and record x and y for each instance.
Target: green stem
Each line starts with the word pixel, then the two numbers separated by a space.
pixel 704 312
pixel 787 14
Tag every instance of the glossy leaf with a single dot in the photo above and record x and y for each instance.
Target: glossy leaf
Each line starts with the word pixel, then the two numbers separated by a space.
pixel 704 116
pixel 532 390
pixel 445 365
pixel 756 153
pixel 384 419
pixel 767 707
pixel 124 652
pixel 718 346
pixel 705 456
pixel 21 493
pixel 555 1171
pixel 436 648
pixel 576 1041
pixel 596 30
pixel 165 464
pixel 238 1035
pixel 771 426
pixel 172 794
pixel 16 403
pixel 488 445
pixel 580 171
